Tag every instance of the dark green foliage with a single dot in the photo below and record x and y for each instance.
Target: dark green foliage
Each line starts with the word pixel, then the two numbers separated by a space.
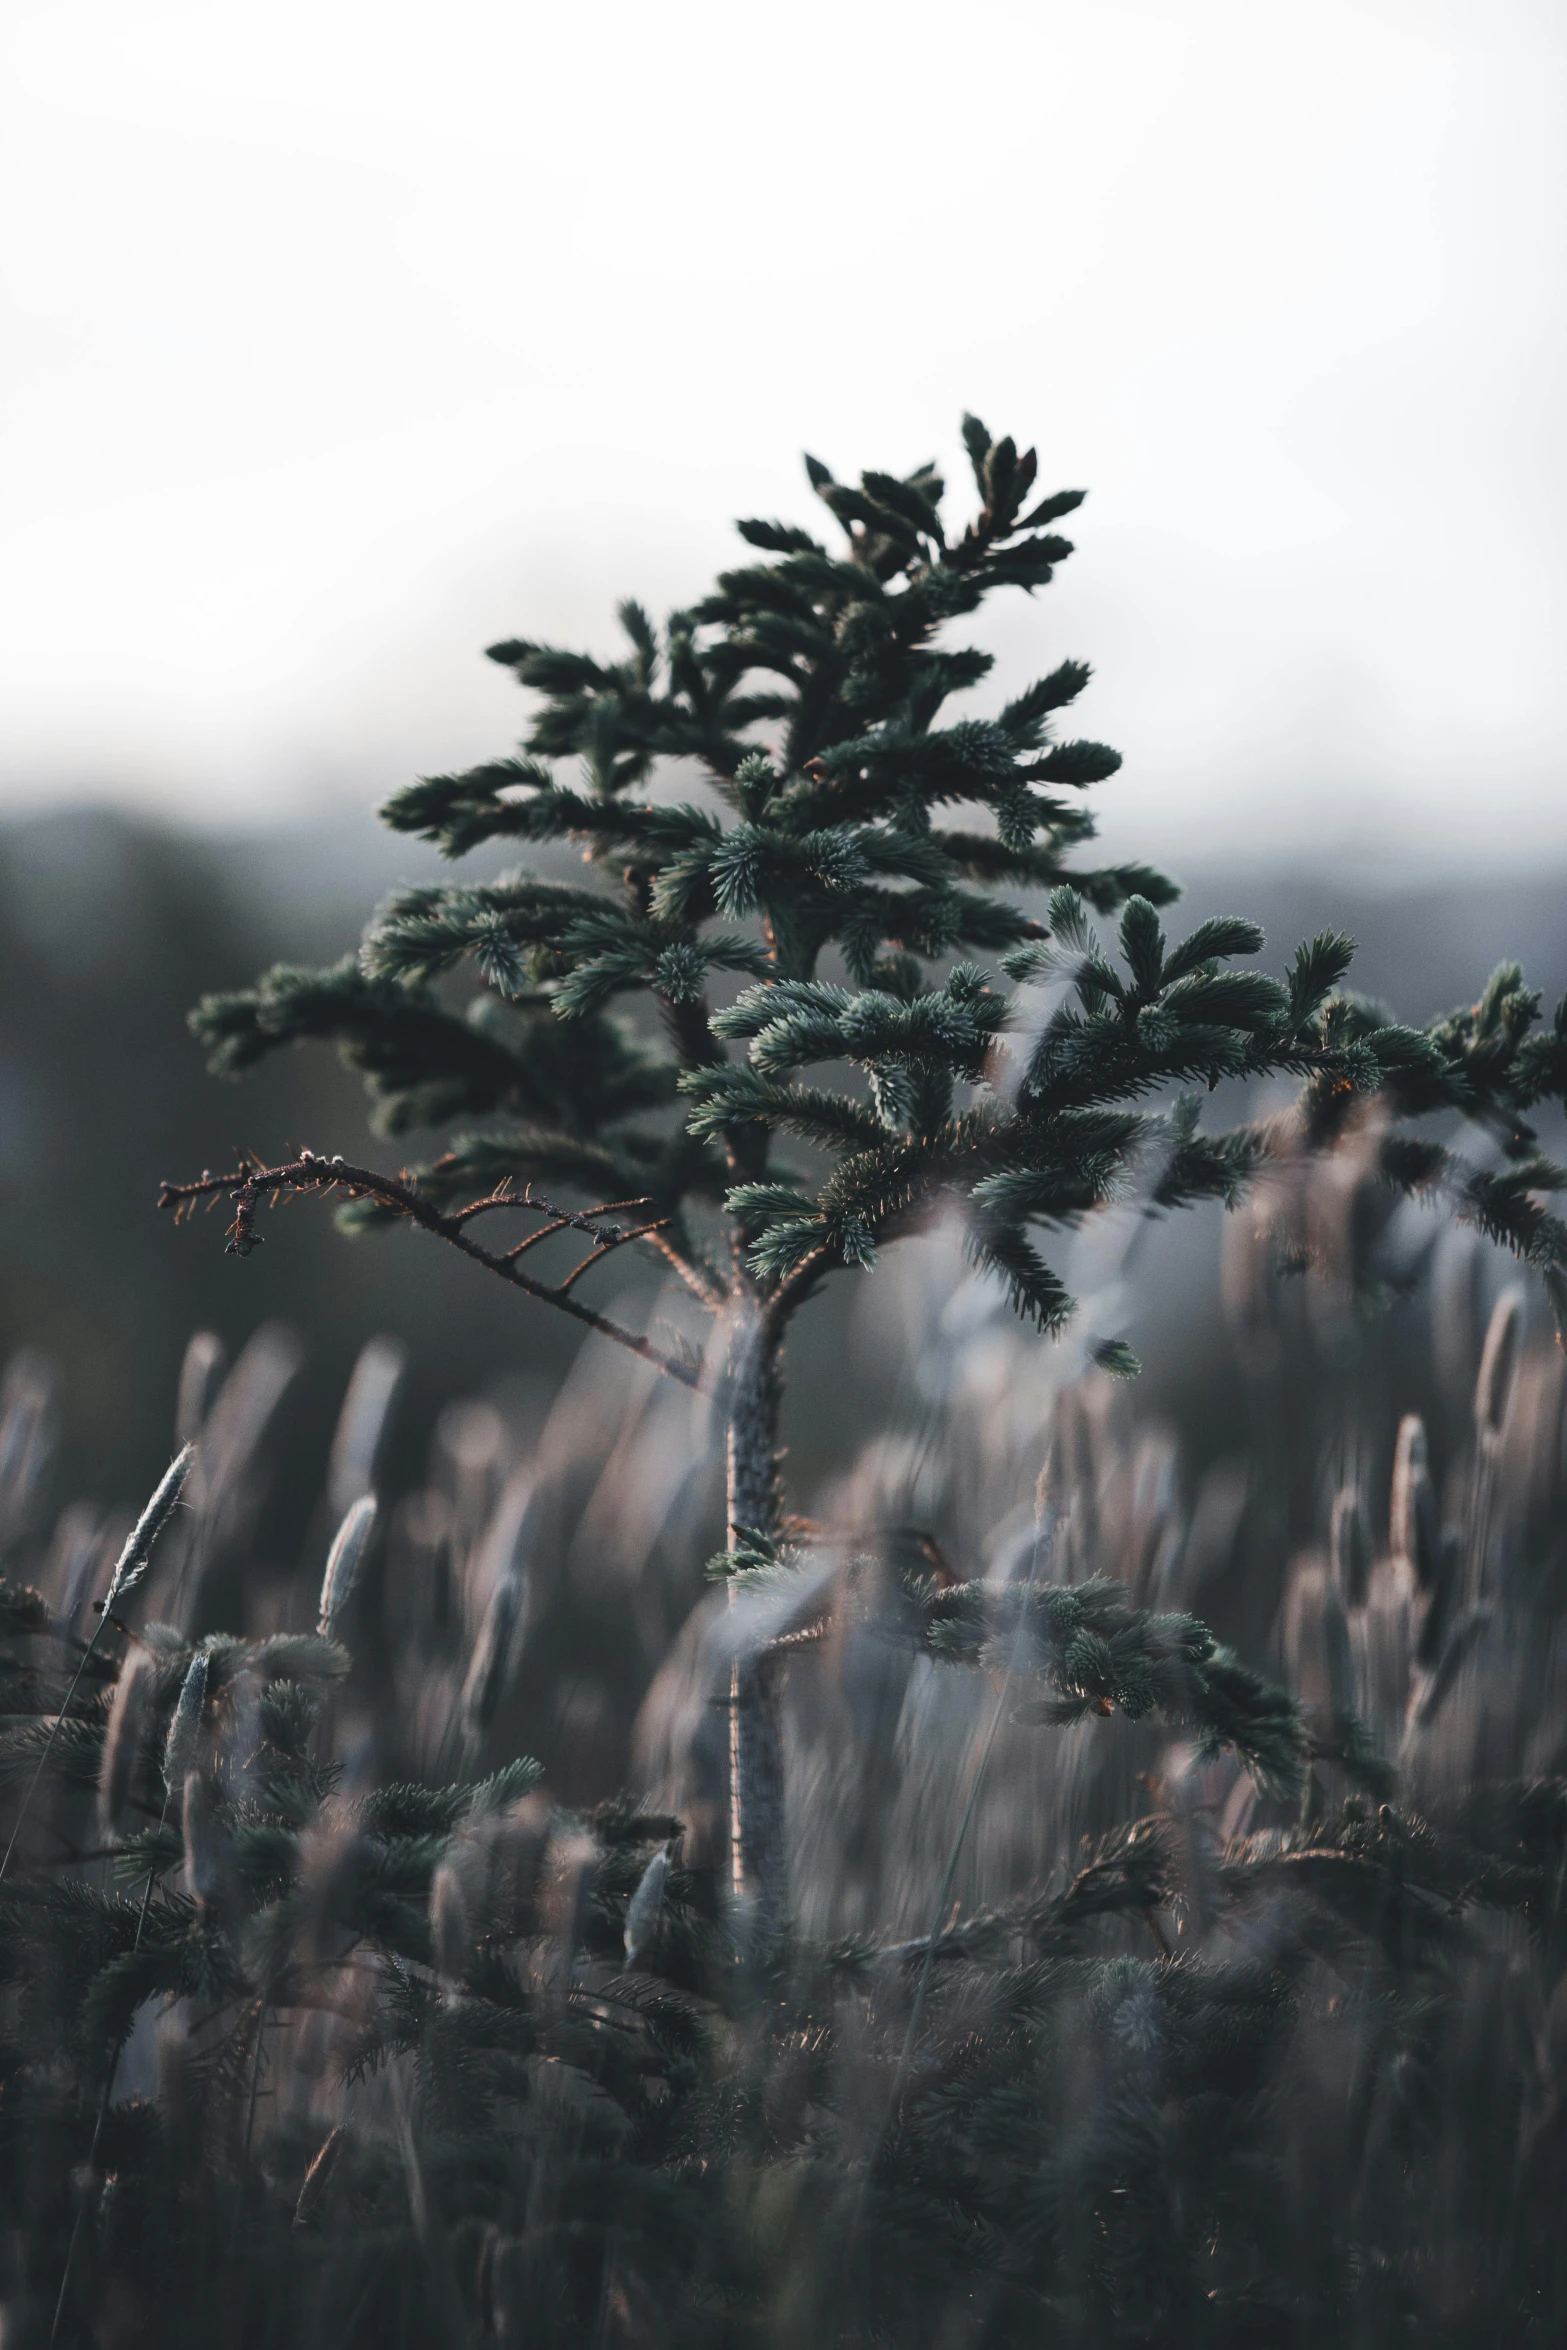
pixel 1086 1643
pixel 835 841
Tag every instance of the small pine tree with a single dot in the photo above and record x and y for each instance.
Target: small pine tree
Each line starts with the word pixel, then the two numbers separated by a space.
pixel 835 898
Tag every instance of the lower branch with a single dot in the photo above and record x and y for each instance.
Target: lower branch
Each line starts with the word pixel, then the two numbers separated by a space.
pixel 310 1173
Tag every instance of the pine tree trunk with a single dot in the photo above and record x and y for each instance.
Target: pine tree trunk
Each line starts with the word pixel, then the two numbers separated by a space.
pixel 756 1789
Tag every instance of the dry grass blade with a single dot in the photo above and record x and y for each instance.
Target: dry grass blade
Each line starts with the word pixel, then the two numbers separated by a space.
pixel 122 1743
pixel 1498 1363
pixel 318 2178
pixel 367 1407
pixel 203 1845
pixel 1412 1529
pixel 201 1377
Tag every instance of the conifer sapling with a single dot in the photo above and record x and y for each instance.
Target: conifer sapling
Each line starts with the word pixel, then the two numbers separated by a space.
pixel 799 863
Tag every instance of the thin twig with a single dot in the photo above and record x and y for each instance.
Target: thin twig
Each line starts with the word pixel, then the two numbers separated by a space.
pixel 583 1219
pixel 698 1279
pixel 603 1250
pixel 545 1232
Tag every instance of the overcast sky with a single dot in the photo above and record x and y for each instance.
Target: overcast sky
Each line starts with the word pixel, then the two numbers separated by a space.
pixel 341 339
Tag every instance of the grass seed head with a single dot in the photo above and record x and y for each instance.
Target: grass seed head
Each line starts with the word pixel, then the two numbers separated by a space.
pixel 1412 1506
pixel 645 1907
pixel 135 1557
pixel 179 1751
pixel 345 1560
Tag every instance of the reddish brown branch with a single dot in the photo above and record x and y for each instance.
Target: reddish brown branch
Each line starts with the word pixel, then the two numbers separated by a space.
pixel 697 1279
pixel 582 1220
pixel 545 1232
pixel 310 1173
pixel 603 1250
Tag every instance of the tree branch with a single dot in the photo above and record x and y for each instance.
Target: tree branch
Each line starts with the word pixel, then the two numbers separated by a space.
pixel 311 1173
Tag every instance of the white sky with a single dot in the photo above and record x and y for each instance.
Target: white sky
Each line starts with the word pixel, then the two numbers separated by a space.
pixel 341 339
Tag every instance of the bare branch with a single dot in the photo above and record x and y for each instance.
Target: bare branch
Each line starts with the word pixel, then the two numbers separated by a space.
pixel 692 1270
pixel 310 1173
pixel 603 1250
pixel 582 1220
